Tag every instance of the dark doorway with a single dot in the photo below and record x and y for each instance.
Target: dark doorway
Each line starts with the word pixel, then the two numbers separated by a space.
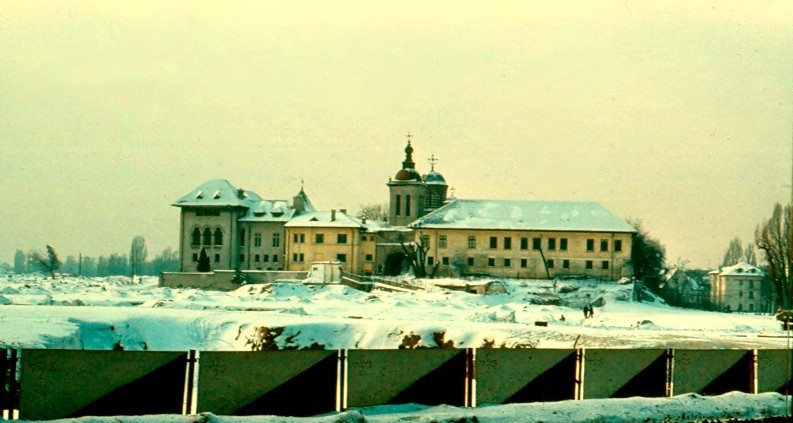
pixel 393 264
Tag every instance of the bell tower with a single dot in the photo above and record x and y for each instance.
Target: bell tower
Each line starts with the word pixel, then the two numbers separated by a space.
pixel 407 192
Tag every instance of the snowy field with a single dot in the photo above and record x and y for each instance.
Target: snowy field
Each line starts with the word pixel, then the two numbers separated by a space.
pixel 107 313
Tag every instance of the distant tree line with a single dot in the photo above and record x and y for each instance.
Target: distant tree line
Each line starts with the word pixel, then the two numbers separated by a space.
pixel 115 264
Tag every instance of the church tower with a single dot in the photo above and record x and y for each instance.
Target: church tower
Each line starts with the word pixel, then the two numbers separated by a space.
pixel 436 188
pixel 407 191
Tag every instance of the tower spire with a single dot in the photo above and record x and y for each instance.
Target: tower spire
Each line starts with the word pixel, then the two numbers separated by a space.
pixel 408 163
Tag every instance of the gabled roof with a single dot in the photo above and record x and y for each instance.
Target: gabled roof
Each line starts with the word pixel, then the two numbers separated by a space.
pixel 575 216
pixel 268 211
pixel 217 193
pixel 741 269
pixel 323 219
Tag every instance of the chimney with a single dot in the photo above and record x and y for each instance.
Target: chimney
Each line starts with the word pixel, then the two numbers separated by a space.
pixel 241 194
pixel 343 211
pixel 333 215
pixel 363 221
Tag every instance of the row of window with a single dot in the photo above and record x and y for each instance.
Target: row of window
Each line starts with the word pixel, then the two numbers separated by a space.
pixel 208 237
pixel 257 239
pixel 524 263
pixel 265 258
pixel 207 212
pixel 299 238
pixel 195 258
pixel 536 243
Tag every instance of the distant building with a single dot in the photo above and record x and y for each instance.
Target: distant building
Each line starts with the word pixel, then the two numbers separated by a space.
pixel 503 238
pixel 737 288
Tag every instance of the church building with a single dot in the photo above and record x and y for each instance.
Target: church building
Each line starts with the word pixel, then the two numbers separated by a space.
pixel 237 229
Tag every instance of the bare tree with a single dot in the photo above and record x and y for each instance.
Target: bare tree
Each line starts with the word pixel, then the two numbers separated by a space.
pixel 373 212
pixel 734 253
pixel 137 255
pixel 49 263
pixel 416 255
pixel 772 238
pixel 749 255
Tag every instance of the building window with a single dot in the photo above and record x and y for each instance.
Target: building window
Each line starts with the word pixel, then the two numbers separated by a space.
pixel 430 260
pixel 294 257
pixel 341 238
pixel 295 237
pixel 257 239
pixel 524 263
pixel 751 307
pixel 751 295
pixel 217 258
pixel 493 242
pixel 242 258
pixel 341 257
pixel 535 243
pixel 566 264
pixel 589 264
pixel 195 256
pixel 507 262
pixel 551 243
pixel 369 257
pixel 300 257
pixel 218 237
pixel 442 241
pixel 563 244
pixel 256 258
pixel 302 238
pixel 491 262
pixel 618 245
pixel 470 261
pixel 207 237
pixel 604 265
pixel 275 258
pixel 276 240
pixel 196 237
pixel 319 238
pixel 524 243
pixel 751 284
pixel 590 245
pixel 604 245
pixel 425 240
pixel 549 264
pixel 445 261
pixel 398 205
pixel 507 243
pixel 242 237
pixel 471 242
pixel 266 258
pixel 407 205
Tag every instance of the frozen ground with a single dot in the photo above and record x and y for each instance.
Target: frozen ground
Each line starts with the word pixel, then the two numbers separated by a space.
pixel 103 313
pixel 87 313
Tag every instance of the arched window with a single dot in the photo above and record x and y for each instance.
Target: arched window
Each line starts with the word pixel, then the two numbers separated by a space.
pixel 196 237
pixel 242 237
pixel 207 236
pixel 218 237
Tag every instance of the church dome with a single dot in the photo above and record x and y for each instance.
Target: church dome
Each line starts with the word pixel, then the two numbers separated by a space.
pixel 407 174
pixel 434 178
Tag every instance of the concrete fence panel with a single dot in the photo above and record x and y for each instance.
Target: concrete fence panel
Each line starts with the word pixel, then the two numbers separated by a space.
pixel 624 373
pixel 712 372
pixel 59 384
pixel 425 376
pixel 288 383
pixel 524 375
pixel 772 370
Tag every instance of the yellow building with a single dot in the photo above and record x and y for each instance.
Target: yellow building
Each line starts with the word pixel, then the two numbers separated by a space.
pixel 737 288
pixel 331 236
pixel 527 239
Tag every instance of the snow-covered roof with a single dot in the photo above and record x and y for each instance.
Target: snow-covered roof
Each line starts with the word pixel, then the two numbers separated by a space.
pixel 217 193
pixel 578 216
pixel 741 269
pixel 268 211
pixel 325 219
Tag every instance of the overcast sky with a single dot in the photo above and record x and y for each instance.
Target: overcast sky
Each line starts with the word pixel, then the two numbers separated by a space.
pixel 676 113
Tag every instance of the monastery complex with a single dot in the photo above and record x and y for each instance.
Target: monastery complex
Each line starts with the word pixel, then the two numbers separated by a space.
pixel 238 229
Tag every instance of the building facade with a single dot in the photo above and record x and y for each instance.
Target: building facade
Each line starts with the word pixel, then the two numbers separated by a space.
pixel 238 229
pixel 737 288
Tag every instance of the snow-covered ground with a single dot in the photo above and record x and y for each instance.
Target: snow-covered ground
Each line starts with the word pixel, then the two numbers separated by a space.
pixel 100 313
pixel 103 313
